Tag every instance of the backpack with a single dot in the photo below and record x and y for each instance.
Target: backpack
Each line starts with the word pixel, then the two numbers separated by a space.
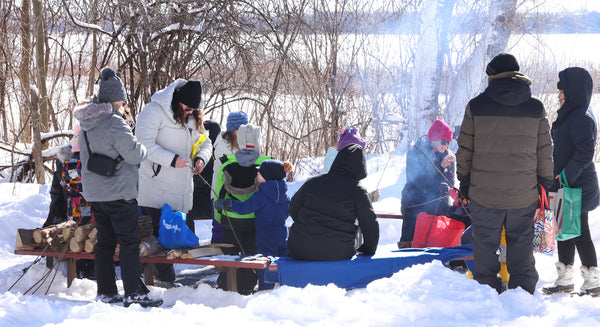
pixel 237 182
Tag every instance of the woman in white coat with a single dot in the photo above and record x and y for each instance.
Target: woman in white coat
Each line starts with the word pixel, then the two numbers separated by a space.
pixel 170 126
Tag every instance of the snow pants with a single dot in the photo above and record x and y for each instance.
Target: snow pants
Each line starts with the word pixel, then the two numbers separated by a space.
pixel 116 222
pixel 487 230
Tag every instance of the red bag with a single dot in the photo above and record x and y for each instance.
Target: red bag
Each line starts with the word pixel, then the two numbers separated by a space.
pixel 437 231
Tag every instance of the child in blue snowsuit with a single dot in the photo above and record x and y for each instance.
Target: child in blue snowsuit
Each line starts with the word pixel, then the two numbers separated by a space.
pixel 270 205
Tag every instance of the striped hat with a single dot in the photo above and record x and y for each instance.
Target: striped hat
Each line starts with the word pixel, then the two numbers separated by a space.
pixel 236 119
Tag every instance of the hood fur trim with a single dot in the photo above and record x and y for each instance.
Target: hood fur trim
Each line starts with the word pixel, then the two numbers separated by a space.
pixel 237 190
pixel 92 110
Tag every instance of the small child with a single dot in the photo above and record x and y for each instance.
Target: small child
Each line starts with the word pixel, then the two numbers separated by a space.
pixel 270 205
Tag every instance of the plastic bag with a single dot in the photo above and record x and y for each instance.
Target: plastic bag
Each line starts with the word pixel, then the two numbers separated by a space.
pixel 437 231
pixel 543 227
pixel 173 233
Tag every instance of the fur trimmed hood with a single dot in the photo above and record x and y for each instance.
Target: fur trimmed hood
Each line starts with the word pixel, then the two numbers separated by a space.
pixel 90 114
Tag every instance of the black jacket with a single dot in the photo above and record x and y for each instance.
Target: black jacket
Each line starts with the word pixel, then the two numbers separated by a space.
pixel 325 210
pixel 574 135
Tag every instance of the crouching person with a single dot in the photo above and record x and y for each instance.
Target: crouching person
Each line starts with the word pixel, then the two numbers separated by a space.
pixel 113 197
pixel 326 207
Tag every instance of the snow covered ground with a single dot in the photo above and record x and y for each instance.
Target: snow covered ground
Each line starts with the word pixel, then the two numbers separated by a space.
pixel 423 295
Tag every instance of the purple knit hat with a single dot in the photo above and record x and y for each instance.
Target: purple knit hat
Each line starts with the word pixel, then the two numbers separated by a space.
pixel 350 135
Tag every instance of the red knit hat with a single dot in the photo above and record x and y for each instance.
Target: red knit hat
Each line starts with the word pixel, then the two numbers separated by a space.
pixel 439 131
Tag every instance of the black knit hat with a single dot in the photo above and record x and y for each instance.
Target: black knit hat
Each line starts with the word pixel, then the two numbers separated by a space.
pixel 111 88
pixel 189 94
pixel 501 63
pixel 559 86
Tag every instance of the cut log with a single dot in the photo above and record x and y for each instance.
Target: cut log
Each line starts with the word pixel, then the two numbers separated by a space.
pixel 57 245
pixel 149 246
pixel 25 239
pixel 41 235
pixel 93 234
pixel 82 232
pixel 76 247
pixel 89 245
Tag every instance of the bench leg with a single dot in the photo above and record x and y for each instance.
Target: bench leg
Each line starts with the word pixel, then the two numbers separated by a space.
pixel 231 279
pixel 148 273
pixel 71 270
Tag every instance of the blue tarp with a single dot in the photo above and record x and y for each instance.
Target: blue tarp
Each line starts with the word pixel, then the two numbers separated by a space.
pixel 361 269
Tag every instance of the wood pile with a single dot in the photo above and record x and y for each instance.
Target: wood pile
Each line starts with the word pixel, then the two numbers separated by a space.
pixel 82 238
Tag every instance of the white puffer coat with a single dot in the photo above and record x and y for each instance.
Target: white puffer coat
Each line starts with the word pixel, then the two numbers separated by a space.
pixel 164 138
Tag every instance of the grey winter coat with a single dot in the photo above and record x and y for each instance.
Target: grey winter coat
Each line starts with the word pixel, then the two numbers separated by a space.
pixel 164 138
pixel 108 134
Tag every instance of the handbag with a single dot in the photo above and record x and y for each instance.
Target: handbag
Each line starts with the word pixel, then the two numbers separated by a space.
pixel 437 231
pixel 543 226
pixel 569 223
pixel 99 163
pixel 173 233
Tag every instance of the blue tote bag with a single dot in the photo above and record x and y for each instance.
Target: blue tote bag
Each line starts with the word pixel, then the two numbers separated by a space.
pixel 173 233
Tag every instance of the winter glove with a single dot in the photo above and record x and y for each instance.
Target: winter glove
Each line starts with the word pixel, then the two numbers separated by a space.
pixel 223 204
pixel 465 182
pixel 550 185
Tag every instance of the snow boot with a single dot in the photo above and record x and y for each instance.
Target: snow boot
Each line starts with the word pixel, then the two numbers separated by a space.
pixel 109 299
pixel 591 281
pixel 564 282
pixel 143 300
pixel 404 244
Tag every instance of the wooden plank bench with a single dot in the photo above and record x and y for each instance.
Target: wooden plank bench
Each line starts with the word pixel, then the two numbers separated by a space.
pixel 231 266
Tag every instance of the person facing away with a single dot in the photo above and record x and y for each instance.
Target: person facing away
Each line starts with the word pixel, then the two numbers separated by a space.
pixel 574 135
pixel 349 135
pixel 113 198
pixel 169 127
pixel 504 152
pixel 325 208
pixel 237 180
pixel 270 205
pixel 226 143
pixel 427 182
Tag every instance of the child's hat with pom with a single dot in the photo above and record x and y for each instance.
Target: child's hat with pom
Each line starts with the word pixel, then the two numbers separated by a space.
pixel 274 169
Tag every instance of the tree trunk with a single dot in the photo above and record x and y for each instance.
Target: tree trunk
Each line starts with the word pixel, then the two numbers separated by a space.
pixel 25 66
pixel 92 76
pixel 38 159
pixel 41 65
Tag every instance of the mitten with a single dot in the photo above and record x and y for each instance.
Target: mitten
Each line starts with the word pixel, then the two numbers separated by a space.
pixel 223 204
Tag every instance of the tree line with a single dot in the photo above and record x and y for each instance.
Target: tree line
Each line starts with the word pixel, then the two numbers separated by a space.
pixel 301 69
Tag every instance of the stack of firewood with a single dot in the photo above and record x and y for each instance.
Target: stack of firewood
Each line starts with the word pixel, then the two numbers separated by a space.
pixel 54 236
pixel 80 238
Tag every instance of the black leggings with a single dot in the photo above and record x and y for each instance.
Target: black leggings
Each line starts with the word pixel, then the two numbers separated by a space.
pixel 584 245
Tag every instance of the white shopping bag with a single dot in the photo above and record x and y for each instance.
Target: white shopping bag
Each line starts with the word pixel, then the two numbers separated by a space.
pixel 555 201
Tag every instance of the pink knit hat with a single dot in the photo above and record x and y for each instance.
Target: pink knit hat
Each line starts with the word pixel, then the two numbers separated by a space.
pixel 439 131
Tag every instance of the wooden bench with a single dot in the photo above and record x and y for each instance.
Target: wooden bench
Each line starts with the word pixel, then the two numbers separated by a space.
pixel 230 265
